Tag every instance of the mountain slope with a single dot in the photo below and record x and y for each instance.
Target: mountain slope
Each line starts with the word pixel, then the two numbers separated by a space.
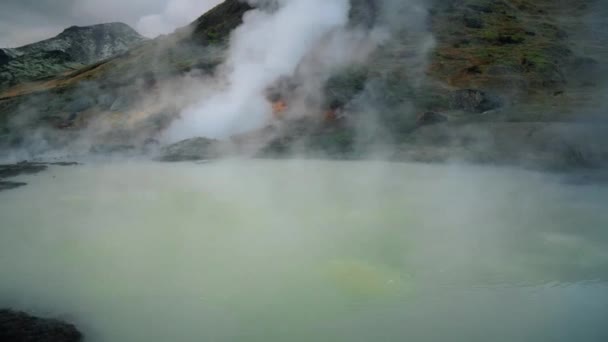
pixel 110 95
pixel 72 49
pixel 520 62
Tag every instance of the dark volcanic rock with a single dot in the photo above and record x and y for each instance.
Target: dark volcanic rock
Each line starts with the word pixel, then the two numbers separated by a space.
pixel 20 327
pixel 474 101
pixel 10 185
pixel 13 170
pixel 65 163
pixel 24 168
pixel 4 57
pixel 191 149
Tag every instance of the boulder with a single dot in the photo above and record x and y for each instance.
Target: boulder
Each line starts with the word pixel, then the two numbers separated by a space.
pixel 21 327
pixel 191 149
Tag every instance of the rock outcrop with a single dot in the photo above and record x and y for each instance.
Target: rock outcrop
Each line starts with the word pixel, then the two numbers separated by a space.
pixel 191 150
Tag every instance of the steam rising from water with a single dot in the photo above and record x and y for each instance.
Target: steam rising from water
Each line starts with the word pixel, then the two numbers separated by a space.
pixel 307 251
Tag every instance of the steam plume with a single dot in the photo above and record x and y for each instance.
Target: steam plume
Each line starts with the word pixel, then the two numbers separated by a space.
pixel 268 45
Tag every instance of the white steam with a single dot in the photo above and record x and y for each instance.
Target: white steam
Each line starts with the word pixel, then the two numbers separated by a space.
pixel 267 46
pixel 175 14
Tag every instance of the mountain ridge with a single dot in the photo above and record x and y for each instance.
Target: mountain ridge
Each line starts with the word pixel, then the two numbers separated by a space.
pixel 73 48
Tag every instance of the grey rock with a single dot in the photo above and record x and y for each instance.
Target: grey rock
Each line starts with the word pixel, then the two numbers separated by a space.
pixel 191 149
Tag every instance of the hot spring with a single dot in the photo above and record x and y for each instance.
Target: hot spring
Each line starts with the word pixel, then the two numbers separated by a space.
pixel 307 251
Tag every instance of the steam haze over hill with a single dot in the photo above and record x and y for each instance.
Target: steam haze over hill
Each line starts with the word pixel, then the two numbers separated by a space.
pixel 303 170
pixel 427 80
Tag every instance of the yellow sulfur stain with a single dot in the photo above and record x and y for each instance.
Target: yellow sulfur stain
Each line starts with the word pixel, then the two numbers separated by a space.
pixel 362 278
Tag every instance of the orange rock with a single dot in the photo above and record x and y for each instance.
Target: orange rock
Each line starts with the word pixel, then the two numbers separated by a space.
pixel 331 115
pixel 278 109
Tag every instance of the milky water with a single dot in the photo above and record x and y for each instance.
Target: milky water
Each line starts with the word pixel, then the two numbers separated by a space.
pixel 308 251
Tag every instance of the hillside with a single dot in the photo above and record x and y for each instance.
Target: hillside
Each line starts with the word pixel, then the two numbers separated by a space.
pixel 109 95
pixel 72 49
pixel 494 68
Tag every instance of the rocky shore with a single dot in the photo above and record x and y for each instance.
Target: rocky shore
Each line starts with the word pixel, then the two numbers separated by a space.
pixel 552 147
pixel 23 168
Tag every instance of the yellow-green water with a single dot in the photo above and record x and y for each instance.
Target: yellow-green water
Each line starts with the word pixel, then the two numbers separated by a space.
pixel 307 251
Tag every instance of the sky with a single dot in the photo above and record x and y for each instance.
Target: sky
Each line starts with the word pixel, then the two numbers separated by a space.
pixel 28 21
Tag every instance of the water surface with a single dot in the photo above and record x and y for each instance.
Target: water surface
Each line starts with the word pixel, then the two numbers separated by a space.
pixel 308 251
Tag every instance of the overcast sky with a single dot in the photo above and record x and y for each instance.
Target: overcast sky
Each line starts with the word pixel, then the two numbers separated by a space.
pixel 28 21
